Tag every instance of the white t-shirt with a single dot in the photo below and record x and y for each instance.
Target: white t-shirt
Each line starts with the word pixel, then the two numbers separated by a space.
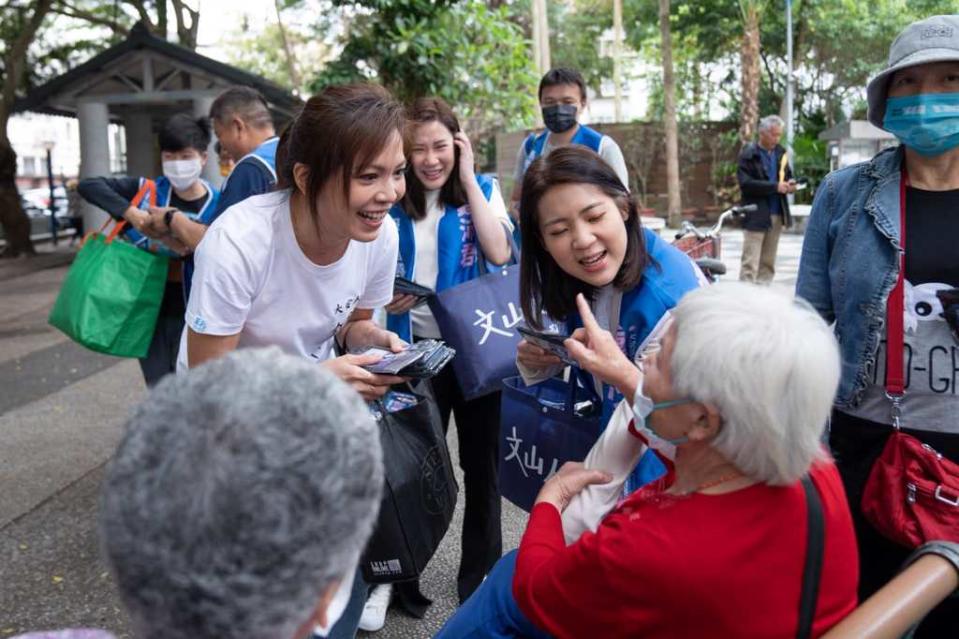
pixel 252 278
pixel 426 267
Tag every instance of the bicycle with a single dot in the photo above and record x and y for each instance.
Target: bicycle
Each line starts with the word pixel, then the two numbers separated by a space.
pixel 705 247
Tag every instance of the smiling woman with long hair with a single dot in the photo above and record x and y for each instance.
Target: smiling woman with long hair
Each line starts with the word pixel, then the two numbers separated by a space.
pixel 582 234
pixel 450 219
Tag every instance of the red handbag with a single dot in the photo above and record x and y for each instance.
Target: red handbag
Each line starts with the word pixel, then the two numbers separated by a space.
pixel 912 494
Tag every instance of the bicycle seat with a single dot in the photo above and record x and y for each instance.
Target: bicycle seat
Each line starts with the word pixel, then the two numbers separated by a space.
pixel 711 265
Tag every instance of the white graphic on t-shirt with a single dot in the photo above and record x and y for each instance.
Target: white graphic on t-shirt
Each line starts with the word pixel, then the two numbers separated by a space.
pixel 921 304
pixel 341 313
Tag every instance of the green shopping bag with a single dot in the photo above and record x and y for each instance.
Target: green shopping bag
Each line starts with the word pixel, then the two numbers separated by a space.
pixel 111 297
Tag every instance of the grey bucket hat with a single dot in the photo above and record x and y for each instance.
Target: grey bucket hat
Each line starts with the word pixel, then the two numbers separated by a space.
pixel 934 39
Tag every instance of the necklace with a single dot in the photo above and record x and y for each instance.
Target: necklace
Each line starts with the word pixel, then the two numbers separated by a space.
pixel 722 479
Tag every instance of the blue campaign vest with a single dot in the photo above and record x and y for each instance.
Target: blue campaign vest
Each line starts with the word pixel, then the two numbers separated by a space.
pixel 264 155
pixel 457 248
pixel 163 195
pixel 670 276
pixel 535 143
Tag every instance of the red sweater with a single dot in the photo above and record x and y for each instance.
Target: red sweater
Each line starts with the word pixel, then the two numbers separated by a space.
pixel 713 566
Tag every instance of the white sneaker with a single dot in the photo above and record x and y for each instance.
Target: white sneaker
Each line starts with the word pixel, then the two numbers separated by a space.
pixel 374 612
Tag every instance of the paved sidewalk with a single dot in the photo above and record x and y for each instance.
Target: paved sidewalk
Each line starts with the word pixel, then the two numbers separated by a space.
pixel 61 410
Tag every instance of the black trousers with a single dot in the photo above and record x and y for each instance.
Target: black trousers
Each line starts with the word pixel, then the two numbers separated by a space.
pixel 856 444
pixel 477 431
pixel 164 348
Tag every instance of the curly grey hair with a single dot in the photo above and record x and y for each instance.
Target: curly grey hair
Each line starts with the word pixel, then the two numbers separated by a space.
pixel 242 490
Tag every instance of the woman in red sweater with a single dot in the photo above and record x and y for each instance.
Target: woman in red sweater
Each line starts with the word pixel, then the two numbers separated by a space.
pixel 735 399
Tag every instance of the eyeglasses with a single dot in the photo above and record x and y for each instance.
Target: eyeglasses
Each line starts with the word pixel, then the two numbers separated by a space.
pixel 950 309
pixel 652 347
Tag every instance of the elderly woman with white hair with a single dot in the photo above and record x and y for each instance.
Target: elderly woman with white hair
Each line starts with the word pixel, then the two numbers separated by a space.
pixel 240 499
pixel 735 400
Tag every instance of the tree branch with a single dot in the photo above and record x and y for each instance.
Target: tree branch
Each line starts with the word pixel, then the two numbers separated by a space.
pixel 186 33
pixel 15 59
pixel 772 77
pixel 142 13
pixel 65 9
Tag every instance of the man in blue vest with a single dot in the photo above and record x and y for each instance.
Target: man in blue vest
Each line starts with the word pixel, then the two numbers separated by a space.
pixel 244 129
pixel 562 97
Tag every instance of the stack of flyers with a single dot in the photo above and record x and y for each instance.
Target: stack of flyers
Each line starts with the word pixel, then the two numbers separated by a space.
pixel 395 401
pixel 392 402
pixel 421 360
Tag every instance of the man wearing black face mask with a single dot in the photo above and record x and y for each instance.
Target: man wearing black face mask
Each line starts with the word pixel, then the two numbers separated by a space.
pixel 562 96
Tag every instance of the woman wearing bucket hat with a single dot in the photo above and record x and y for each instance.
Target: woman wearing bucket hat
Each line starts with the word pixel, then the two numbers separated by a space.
pixel 850 271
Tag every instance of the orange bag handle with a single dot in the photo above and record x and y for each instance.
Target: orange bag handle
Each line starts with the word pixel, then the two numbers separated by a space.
pixel 147 189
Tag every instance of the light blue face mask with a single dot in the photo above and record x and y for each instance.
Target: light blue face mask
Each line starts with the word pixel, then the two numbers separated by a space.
pixel 643 407
pixel 927 123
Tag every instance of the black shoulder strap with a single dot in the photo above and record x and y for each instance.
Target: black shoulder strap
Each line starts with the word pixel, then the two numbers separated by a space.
pixel 812 572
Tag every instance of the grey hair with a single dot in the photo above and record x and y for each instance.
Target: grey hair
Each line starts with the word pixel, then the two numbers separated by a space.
pixel 242 490
pixel 245 103
pixel 770 121
pixel 771 366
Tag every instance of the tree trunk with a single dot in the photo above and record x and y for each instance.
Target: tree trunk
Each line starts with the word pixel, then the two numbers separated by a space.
pixel 16 224
pixel 673 218
pixel 749 58
pixel 287 49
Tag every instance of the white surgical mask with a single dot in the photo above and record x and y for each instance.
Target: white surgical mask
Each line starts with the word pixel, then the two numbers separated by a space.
pixel 643 407
pixel 182 173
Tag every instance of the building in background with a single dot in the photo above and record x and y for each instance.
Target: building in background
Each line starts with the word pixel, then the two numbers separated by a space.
pixel 854 141
pixel 31 134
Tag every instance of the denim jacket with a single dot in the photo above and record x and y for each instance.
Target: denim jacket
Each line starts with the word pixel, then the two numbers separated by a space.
pixel 849 262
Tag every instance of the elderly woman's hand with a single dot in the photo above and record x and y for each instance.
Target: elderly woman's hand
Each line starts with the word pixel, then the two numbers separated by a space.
pixel 596 351
pixel 568 482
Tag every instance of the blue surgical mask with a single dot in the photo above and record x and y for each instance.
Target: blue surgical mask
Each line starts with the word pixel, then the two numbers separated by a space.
pixel 927 123
pixel 643 407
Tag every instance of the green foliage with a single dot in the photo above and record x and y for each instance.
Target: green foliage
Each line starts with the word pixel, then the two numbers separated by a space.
pixel 838 45
pixel 473 56
pixel 809 161
pixel 576 29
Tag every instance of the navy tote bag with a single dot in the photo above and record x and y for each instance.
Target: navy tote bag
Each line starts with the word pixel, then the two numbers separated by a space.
pixel 478 318
pixel 542 427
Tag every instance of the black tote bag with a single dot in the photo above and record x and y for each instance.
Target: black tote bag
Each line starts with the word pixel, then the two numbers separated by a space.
pixel 419 494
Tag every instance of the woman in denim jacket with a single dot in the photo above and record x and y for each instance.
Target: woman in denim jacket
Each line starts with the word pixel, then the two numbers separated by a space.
pixel 850 265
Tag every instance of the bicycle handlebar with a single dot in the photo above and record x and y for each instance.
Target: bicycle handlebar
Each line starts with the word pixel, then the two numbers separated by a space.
pixel 688 228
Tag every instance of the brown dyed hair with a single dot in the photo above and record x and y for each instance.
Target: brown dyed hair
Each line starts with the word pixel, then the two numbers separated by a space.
pixel 544 286
pixel 340 130
pixel 424 111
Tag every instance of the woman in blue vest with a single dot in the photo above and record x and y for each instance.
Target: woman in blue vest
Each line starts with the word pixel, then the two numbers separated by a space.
pixel 449 219
pixel 179 191
pixel 583 235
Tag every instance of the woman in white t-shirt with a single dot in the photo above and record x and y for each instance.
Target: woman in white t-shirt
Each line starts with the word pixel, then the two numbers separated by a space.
pixel 448 218
pixel 307 264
